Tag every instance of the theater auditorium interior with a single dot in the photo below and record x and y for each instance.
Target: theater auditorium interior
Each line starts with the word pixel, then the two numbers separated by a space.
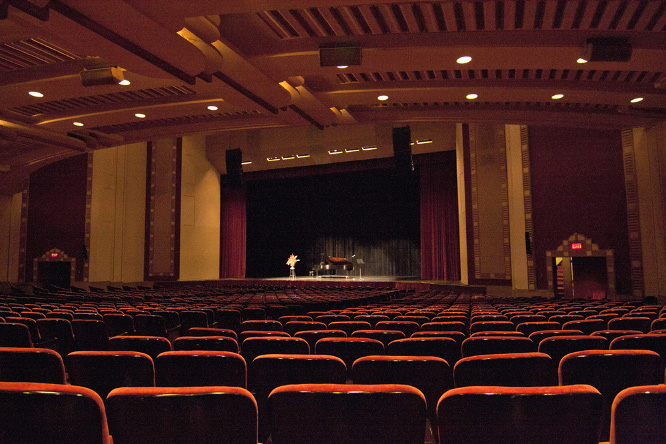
pixel 332 222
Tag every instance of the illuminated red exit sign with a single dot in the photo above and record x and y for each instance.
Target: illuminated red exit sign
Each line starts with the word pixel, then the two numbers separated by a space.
pixel 577 246
pixel 54 254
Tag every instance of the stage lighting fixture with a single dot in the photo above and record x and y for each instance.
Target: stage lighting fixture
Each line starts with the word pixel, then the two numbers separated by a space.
pixel 111 75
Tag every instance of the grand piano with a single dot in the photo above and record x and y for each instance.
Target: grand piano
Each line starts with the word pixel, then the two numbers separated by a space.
pixel 333 267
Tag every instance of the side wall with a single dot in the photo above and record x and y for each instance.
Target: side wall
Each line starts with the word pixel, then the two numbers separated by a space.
pixel 200 213
pixel 118 214
pixel 10 230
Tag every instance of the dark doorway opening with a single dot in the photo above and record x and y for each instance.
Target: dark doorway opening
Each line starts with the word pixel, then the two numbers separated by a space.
pixel 56 273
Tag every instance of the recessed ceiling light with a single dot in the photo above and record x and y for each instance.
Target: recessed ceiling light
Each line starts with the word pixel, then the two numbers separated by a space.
pixel 288 157
pixel 332 152
pixel 636 100
pixel 272 159
pixel 247 162
pixel 124 82
pixel 464 59
pixel 343 66
pixel 369 148
pixel 423 141
pixel 77 123
pixel 36 94
pixel 139 115
pixel 212 107
pixel 352 150
pixel 581 60
pixel 472 96
pixel 302 156
pixel 382 97
pixel 557 96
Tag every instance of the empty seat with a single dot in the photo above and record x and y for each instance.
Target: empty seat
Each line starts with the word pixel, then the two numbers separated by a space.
pixel 512 370
pixel 208 331
pixel 242 336
pixel 293 327
pixel 253 313
pixel 488 414
pixel 175 415
pixel 658 324
pixel 491 326
pixel 150 325
pixel 328 318
pixel 14 335
pixel 186 368
pixel 312 336
pixel 118 324
pixel 261 325
pixel 431 375
pixel 150 345
pixel 192 318
pixel 407 327
pixel 527 328
pixel 540 335
pixel 611 371
pixel 558 346
pixel 219 343
pixel 612 334
pixel 587 326
pixel 349 349
pixel 638 415
pixel 654 342
pixel 51 413
pixel 444 326
pixel 90 334
pixel 385 336
pixel 373 319
pixel 102 371
pixel 445 348
pixel 347 413
pixel 265 345
pixel 497 333
pixel 642 324
pixel 35 337
pixel 228 318
pixel 272 371
pixel 520 318
pixel 414 318
pixel 487 345
pixel 31 365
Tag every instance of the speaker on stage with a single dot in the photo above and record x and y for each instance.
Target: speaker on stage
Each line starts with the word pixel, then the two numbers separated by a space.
pixel 234 158
pixel 402 150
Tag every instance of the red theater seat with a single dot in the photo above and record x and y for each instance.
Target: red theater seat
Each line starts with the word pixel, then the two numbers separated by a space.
pixel 347 413
pixel 186 368
pixel 385 336
pixel 51 413
pixel 491 326
pixel 611 371
pixel 31 365
pixel 102 371
pixel 559 346
pixel 642 324
pixel 445 348
pixel 150 345
pixel 349 349
pixel 407 327
pixel 293 327
pixel 527 328
pixel 485 345
pixel 639 415
pixel 512 370
pixel 349 327
pixel 14 335
pixel 208 331
pixel 192 415
pixel 312 336
pixel 219 343
pixel 587 326
pixel 487 414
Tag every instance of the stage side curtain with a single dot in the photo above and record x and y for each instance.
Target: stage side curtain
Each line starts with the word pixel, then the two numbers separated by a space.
pixel 440 251
pixel 232 232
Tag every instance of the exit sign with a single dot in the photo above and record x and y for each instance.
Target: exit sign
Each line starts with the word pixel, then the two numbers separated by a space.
pixel 54 254
pixel 577 246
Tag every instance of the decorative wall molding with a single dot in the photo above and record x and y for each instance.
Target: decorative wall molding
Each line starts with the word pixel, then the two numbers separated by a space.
pixel 633 215
pixel 53 255
pixel 527 201
pixel 587 248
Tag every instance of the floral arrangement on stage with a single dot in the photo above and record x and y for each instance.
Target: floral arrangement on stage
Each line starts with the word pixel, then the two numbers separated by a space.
pixel 292 260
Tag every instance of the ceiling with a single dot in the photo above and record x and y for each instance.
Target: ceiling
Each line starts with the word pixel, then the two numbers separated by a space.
pixel 258 62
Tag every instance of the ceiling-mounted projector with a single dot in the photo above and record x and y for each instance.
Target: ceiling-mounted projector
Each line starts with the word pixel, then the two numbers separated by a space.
pixel 111 75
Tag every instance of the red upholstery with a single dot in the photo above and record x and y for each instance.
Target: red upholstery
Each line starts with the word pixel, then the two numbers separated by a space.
pixel 193 415
pixel 559 346
pixel 31 365
pixel 293 327
pixel 445 348
pixel 347 413
pixel 491 326
pixel 654 342
pixel 349 327
pixel 261 325
pixel 639 415
pixel 540 335
pixel 349 349
pixel 150 345
pixel 51 413
pixel 15 335
pixel 312 336
pixel 484 345
pixel 587 326
pixel 208 331
pixel 242 336
pixel 187 368
pixel 487 414
pixel 102 371
pixel 642 324
pixel 527 328
pixel 512 370
pixel 611 371
pixel 444 326
pixel 385 336
pixel 612 334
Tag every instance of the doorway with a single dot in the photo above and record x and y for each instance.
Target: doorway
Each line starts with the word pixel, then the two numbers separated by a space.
pixel 54 273
pixel 582 277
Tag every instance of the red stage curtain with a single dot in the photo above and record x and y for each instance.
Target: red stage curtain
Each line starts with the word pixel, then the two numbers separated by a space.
pixel 440 250
pixel 232 232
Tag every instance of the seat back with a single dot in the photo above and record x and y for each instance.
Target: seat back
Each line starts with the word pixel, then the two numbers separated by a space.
pixel 349 349
pixel 208 331
pixel 150 345
pixel 431 375
pixel 654 342
pixel 31 365
pixel 407 327
pixel 491 326
pixel 385 336
pixel 265 345
pixel 15 335
pixel 487 345
pixel 118 324
pixel 219 343
pixel 638 415
pixel 510 370
pixel 347 413
pixel 293 327
pixel 185 368
pixel 90 334
pixel 349 327
pixel 587 326
pixel 445 348
pixel 527 328
pixel 170 415
pixel 51 413
pixel 150 325
pixel 102 371
pixel 444 326
pixel 489 414
pixel 611 371
pixel 312 336
pixel 558 346
pixel 640 323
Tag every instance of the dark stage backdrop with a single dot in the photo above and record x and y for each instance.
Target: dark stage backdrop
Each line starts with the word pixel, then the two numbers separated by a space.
pixel 372 214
